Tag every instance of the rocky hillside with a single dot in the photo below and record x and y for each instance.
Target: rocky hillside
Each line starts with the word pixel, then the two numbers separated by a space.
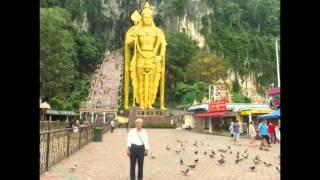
pixel 240 33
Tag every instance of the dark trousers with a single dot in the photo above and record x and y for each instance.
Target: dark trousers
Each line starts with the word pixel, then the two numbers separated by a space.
pixel 137 153
pixel 267 138
pixel 112 128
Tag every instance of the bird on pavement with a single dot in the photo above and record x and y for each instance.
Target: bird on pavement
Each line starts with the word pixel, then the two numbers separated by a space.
pixel 181 145
pixel 267 164
pixel 221 161
pixel 255 161
pixel 185 172
pixel 246 156
pixel 261 148
pixel 195 152
pixel 74 167
pixel 252 168
pixel 238 156
pixel 266 149
pixel 278 169
pixel 222 156
pixel 212 152
pixel 168 149
pixel 229 147
pixel 177 151
pixel 230 152
pixel 205 153
pixel 222 150
pixel 153 157
pixel 237 161
pixel 196 161
pixel 245 151
pixel 181 162
pixel 192 166
pixel 257 158
pixel 211 156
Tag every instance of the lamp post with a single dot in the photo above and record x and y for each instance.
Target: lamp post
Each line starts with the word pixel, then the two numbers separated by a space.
pixel 278 68
pixel 44 107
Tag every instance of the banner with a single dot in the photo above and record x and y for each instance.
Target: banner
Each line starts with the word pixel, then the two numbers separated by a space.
pixel 217 106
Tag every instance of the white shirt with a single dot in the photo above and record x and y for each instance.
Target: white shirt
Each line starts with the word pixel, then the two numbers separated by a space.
pixel 112 123
pixel 133 138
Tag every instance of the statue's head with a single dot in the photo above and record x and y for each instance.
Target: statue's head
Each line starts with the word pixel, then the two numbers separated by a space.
pixel 147 14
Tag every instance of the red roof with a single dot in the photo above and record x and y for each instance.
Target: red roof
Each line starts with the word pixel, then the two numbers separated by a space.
pixel 272 91
pixel 210 114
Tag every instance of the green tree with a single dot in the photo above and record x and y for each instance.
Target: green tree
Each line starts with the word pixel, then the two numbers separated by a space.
pixel 57 53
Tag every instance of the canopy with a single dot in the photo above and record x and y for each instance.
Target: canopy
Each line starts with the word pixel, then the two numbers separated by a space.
pixel 211 114
pixel 122 120
pixel 273 115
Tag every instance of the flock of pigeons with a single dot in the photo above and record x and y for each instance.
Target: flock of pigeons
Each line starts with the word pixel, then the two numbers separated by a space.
pixel 223 152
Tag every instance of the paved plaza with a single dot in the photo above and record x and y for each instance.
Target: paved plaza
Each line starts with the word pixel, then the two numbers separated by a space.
pixel 107 160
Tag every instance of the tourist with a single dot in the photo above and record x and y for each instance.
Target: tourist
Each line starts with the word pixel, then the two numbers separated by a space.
pixel 277 132
pixel 236 132
pixel 138 147
pixel 231 130
pixel 263 129
pixel 112 125
pixel 252 134
pixel 271 132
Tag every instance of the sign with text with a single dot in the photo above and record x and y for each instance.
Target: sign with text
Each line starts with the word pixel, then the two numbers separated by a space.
pixel 217 106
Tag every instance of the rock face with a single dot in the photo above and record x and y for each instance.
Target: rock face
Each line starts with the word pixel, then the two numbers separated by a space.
pixel 116 18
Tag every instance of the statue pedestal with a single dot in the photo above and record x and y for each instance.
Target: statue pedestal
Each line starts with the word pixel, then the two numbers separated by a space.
pixel 152 117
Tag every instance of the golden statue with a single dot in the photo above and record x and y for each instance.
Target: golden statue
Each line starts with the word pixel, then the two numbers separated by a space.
pixel 146 63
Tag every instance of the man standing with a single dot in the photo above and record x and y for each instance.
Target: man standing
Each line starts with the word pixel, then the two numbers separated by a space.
pixel 263 129
pixel 138 146
pixel 271 132
pixel 112 125
pixel 236 132
pixel 231 129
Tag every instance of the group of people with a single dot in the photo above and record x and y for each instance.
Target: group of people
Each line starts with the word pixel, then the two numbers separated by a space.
pixel 269 132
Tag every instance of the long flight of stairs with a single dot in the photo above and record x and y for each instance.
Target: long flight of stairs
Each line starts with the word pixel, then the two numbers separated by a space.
pixel 106 85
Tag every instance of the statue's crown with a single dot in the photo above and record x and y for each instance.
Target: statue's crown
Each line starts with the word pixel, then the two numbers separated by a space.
pixel 146 10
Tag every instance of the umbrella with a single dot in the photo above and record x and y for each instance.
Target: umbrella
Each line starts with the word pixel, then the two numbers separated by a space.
pixel 273 115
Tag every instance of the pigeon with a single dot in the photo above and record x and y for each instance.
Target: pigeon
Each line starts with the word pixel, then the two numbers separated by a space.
pixel 230 152
pixel 257 158
pixel 178 151
pixel 192 166
pixel 211 156
pixel 183 149
pixel 238 153
pixel 181 145
pixel 246 156
pixel 178 141
pixel 238 156
pixel 212 152
pixel 153 157
pixel 196 161
pixel 181 162
pixel 278 169
pixel 222 156
pixel 205 153
pixel 168 149
pixel 237 161
pixel 252 168
pixel 240 159
pixel 266 149
pixel 255 161
pixel 261 148
pixel 229 147
pixel 195 152
pixel 185 172
pixel 222 150
pixel 221 161
pixel 267 164
pixel 245 151
pixel 74 167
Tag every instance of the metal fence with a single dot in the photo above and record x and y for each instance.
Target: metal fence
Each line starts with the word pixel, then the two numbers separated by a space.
pixel 56 145
pixel 52 125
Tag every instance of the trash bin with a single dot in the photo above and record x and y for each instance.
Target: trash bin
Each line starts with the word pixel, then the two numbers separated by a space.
pixel 98 134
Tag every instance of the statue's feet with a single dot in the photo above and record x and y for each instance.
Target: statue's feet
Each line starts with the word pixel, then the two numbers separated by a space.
pixel 150 107
pixel 141 107
pixel 163 108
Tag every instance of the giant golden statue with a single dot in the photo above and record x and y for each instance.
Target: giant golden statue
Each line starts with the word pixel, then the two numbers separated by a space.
pixel 145 47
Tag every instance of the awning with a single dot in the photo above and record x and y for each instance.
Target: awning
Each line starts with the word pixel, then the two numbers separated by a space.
pixel 256 111
pixel 211 114
pixel 274 115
